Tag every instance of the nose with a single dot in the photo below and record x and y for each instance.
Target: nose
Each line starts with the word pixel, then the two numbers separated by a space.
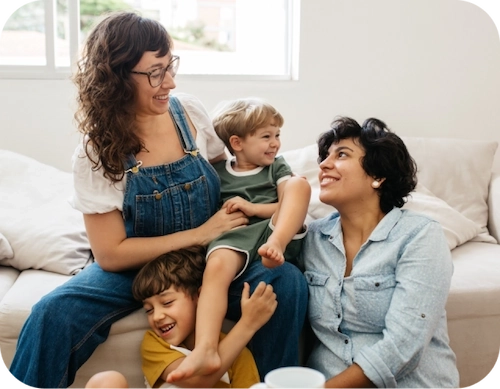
pixel 168 81
pixel 158 315
pixel 326 164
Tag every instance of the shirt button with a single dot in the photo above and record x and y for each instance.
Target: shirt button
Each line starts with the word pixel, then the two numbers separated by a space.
pixel 423 315
pixel 157 195
pixel 377 284
pixel 187 186
pixel 338 315
pixel 346 341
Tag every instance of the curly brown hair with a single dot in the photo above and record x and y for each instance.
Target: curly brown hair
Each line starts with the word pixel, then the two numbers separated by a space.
pixel 106 92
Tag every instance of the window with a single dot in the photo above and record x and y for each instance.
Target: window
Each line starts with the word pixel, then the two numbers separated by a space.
pixel 253 38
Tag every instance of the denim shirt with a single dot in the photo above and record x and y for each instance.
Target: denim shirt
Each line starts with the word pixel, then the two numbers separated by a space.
pixel 389 315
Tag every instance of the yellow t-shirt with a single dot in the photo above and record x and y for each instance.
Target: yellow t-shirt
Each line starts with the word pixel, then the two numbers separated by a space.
pixel 157 355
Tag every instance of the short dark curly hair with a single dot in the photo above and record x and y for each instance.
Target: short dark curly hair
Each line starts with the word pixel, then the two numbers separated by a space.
pixel 386 156
pixel 182 269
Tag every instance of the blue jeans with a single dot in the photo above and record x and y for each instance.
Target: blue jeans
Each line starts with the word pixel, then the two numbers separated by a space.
pixel 53 346
pixel 276 344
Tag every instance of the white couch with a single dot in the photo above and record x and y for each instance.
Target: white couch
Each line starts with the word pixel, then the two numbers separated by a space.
pixel 43 242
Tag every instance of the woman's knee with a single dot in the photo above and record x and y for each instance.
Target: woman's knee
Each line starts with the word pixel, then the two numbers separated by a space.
pixel 291 282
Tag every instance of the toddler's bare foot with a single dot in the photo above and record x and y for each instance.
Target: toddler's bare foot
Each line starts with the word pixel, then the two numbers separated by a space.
pixel 199 362
pixel 272 254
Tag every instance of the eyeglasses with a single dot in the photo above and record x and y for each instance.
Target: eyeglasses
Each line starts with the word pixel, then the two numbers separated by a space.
pixel 156 76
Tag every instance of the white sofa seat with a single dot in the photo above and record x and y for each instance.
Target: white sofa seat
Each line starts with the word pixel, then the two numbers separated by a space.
pixel 473 309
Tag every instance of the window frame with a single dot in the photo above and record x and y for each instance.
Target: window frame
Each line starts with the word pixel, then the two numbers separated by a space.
pixel 52 72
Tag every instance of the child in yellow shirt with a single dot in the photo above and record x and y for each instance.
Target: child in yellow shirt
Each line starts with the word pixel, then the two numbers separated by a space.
pixel 169 288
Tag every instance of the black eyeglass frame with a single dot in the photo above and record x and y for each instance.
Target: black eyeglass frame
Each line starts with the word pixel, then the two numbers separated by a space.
pixel 171 68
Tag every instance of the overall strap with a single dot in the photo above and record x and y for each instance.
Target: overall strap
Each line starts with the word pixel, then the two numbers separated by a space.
pixel 182 126
pixel 131 164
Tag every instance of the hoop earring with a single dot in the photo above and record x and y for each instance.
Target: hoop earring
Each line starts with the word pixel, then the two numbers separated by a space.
pixel 375 184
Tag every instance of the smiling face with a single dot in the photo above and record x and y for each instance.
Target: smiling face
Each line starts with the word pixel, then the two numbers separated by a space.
pixel 343 181
pixel 149 100
pixel 259 148
pixel 171 315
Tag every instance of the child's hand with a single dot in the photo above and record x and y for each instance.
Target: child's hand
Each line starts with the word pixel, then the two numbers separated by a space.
pixel 257 309
pixel 239 204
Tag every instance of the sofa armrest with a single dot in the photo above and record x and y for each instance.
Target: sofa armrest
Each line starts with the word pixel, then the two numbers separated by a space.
pixel 494 206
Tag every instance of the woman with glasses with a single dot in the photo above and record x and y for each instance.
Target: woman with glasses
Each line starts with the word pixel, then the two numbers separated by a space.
pixel 145 186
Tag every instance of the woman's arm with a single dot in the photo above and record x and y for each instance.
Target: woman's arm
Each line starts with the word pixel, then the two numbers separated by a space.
pixel 115 252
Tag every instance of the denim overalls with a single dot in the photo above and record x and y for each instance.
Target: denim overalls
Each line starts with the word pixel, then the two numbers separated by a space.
pixel 68 324
pixel 161 200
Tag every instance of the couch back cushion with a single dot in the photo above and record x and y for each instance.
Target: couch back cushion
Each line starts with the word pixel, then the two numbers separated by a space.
pixel 453 176
pixel 457 171
pixel 37 221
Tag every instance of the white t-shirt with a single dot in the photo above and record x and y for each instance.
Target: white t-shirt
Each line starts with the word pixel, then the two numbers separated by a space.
pixel 96 194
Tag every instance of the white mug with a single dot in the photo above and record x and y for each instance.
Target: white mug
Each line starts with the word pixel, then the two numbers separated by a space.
pixel 292 377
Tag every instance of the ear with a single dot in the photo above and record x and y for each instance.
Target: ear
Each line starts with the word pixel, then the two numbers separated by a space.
pixel 235 141
pixel 377 182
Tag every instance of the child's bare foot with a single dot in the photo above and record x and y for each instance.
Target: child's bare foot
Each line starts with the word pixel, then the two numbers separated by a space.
pixel 272 254
pixel 199 362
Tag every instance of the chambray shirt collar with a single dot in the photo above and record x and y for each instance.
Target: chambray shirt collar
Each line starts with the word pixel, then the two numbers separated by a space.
pixel 380 233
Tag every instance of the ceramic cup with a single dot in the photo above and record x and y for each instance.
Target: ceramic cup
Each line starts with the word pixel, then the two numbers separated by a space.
pixel 292 377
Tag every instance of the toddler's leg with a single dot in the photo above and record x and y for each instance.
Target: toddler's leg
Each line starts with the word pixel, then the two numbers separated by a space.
pixel 288 220
pixel 222 267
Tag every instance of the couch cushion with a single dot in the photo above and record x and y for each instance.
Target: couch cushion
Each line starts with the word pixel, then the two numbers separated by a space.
pixel 475 287
pixel 27 290
pixel 44 231
pixel 457 171
pixel 8 276
pixel 457 228
pixel 5 248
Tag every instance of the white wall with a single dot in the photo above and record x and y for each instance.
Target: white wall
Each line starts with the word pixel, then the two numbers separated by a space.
pixel 425 67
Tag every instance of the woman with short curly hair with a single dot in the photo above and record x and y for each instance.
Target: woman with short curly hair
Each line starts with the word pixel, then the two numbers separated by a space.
pixel 378 275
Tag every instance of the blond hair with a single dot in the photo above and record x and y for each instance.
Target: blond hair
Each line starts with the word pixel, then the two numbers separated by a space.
pixel 242 117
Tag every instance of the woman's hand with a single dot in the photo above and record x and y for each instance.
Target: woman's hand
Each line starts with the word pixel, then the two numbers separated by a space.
pixel 219 223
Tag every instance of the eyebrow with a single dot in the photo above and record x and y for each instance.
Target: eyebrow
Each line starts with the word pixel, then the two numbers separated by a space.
pixel 160 65
pixel 343 148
